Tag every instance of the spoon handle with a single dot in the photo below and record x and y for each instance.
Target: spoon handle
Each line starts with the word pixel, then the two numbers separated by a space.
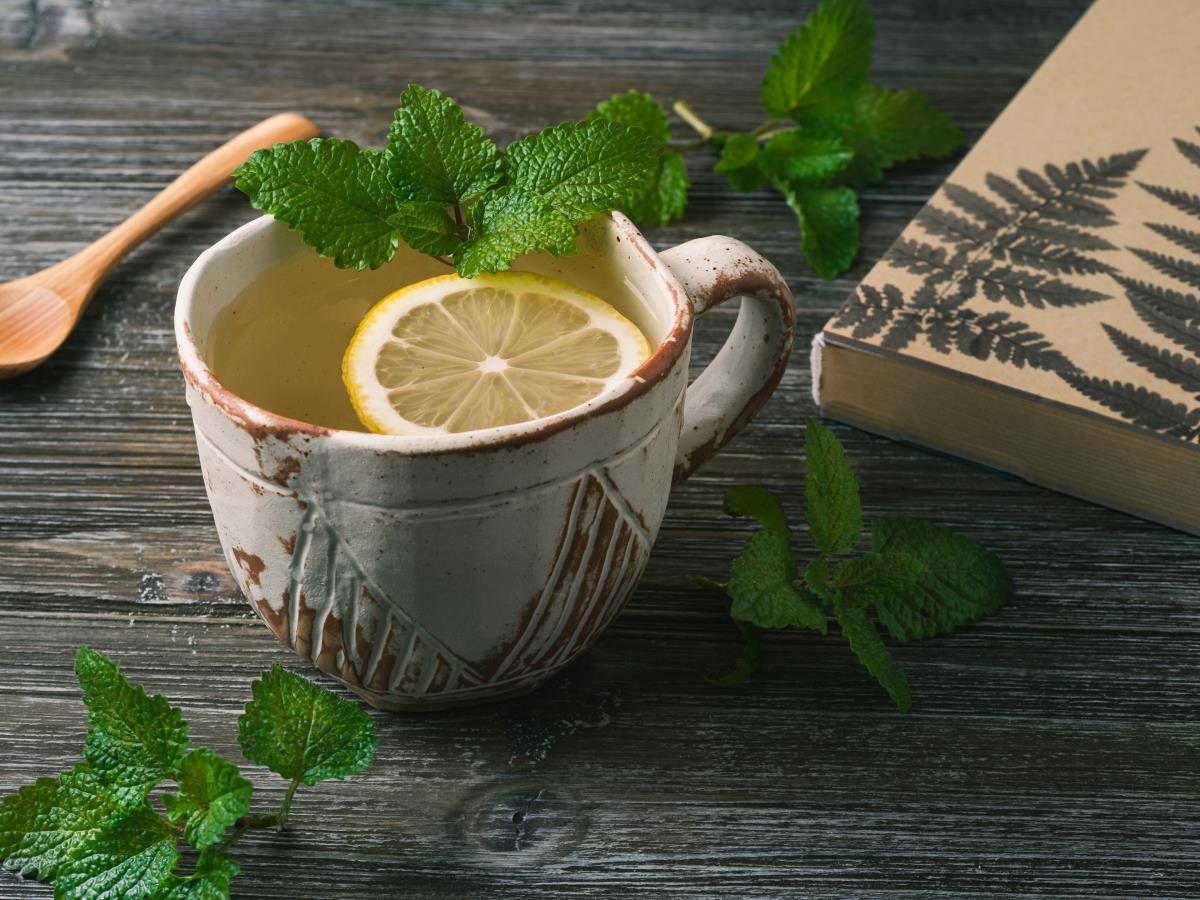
pixel 210 173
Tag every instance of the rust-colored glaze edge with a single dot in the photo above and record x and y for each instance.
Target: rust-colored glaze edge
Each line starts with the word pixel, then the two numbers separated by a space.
pixel 261 423
pixel 728 285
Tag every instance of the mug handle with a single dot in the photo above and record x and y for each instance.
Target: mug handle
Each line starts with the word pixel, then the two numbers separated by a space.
pixel 745 372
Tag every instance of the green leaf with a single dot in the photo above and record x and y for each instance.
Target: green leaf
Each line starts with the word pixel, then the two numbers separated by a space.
pixel 816 577
pixel 802 160
pixel 869 648
pixel 556 179
pixel 212 796
pixel 508 223
pixel 334 194
pixel 823 63
pixel 47 823
pixel 434 154
pixel 129 859
pixel 828 226
pixel 761 579
pixel 875 572
pixel 757 503
pixel 888 127
pixel 637 110
pixel 664 197
pixel 739 162
pixel 134 740
pixel 210 881
pixel 304 732
pixel 748 664
pixel 955 580
pixel 762 589
pixel 427 227
pixel 830 491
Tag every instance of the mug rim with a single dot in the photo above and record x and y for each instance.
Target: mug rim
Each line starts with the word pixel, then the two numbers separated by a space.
pixel 260 422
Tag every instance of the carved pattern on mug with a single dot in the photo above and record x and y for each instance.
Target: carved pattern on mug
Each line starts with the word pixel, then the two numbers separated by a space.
pixel 372 640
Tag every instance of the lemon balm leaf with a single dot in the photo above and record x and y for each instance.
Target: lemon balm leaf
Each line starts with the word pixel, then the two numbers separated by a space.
pixel 638 110
pixel 953 579
pixel 664 197
pixel 434 154
pixel 739 162
pixel 802 160
pixel 762 578
pixel 823 63
pixel 212 796
pixel 868 646
pixel 889 126
pixel 508 223
pixel 45 824
pixel 304 732
pixel 210 880
pixel 557 178
pixel 134 740
pixel 427 227
pixel 828 218
pixel 830 492
pixel 334 194
pixel 130 858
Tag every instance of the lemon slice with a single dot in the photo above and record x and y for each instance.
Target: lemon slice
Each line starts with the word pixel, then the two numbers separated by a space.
pixel 451 354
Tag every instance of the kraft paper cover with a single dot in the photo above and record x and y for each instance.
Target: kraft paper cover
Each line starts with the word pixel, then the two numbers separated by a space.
pixel 1062 256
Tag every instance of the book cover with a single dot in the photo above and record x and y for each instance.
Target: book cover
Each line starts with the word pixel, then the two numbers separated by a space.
pixel 1061 259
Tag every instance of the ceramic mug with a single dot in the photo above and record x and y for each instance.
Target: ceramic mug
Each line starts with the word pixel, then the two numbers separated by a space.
pixel 432 571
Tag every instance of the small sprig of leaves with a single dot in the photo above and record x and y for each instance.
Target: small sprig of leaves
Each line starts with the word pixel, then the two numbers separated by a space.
pixel 93 830
pixel 917 580
pixel 444 188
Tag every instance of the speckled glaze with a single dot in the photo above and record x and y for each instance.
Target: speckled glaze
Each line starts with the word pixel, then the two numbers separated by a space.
pixel 428 572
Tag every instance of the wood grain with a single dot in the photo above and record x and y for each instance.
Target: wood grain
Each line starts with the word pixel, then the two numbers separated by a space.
pixel 1052 751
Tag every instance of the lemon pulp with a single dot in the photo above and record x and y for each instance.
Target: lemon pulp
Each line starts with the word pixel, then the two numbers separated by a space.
pixel 448 355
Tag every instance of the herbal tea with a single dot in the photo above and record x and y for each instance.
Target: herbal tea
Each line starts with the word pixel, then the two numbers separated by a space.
pixel 279 344
pixel 426 355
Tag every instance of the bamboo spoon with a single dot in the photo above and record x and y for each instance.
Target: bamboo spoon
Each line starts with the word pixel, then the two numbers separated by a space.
pixel 39 311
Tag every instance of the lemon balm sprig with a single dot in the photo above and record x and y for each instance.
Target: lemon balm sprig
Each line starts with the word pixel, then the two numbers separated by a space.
pixel 445 189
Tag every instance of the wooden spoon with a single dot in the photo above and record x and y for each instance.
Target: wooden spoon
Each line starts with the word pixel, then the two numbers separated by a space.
pixel 39 311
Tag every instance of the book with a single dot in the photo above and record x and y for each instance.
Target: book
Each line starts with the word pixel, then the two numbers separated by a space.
pixel 1041 314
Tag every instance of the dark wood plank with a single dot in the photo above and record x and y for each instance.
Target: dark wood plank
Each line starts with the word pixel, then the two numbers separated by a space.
pixel 1052 750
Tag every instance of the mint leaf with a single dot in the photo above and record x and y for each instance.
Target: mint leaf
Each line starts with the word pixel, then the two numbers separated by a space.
pixel 556 179
pixel 757 503
pixel 508 223
pixel 804 161
pixel 761 579
pixel 828 226
pixel 664 197
pixel 955 580
pixel 427 227
pixel 131 858
pixel 739 162
pixel 637 110
pixel 869 648
pixel 134 740
pixel 47 823
pixel 830 491
pixel 212 796
pixel 334 194
pixel 823 63
pixel 304 732
pixel 748 664
pixel 888 127
pixel 210 881
pixel 434 154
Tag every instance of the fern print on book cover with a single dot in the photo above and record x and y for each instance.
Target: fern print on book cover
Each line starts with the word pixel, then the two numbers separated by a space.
pixel 1061 259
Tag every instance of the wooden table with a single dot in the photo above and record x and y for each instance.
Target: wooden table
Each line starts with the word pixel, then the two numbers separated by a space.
pixel 1052 751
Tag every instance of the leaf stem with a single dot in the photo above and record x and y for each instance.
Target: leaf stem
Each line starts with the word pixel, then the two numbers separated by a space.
pixel 287 804
pixel 697 124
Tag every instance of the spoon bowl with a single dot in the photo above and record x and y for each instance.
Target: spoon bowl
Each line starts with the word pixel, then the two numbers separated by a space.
pixel 38 312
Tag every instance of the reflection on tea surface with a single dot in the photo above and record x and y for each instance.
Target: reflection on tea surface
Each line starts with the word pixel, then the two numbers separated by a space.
pixel 279 344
